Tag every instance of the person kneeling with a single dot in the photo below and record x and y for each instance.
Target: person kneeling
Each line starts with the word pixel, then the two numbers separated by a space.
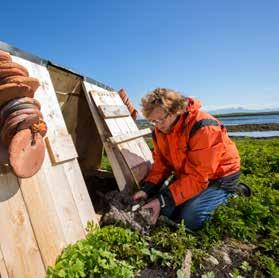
pixel 194 146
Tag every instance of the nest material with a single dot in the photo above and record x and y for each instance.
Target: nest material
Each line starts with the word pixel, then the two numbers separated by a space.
pixel 121 213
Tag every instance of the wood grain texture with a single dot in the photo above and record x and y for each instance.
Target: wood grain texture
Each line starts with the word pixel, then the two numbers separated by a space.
pixel 119 168
pixel 18 244
pixel 61 148
pixel 113 111
pixel 44 217
pixel 3 268
pixel 129 136
pixel 135 153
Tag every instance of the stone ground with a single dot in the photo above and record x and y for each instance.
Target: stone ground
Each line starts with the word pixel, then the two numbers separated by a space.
pixel 223 259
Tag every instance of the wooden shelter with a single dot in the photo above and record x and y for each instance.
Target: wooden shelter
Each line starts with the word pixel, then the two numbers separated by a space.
pixel 41 215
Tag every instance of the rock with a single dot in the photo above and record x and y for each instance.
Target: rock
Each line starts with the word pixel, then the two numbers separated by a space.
pixel 226 258
pixel 211 260
pixel 186 266
pixel 222 255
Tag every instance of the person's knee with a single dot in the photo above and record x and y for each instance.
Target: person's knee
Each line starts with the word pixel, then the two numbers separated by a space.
pixel 194 215
pixel 198 210
pixel 194 221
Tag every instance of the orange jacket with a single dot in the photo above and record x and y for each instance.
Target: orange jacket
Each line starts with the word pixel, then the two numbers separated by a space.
pixel 205 154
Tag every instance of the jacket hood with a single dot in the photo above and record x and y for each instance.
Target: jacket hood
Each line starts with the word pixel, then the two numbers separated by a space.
pixel 193 104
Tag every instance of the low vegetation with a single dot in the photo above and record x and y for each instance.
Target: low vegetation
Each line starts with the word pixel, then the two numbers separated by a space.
pixel 247 224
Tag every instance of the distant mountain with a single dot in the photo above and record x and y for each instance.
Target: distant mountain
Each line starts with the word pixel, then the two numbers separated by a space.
pixel 230 110
pixel 240 110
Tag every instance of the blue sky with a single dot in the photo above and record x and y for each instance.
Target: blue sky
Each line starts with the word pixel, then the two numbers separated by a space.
pixel 226 53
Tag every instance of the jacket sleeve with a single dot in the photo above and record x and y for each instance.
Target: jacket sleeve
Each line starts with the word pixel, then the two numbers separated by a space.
pixel 160 169
pixel 203 158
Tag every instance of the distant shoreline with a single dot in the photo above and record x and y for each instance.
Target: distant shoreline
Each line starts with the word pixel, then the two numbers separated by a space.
pixel 253 127
pixel 230 128
pixel 246 114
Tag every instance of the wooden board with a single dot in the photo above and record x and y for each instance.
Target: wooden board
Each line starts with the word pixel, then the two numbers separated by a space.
pixel 120 170
pixel 61 148
pixel 133 153
pixel 83 130
pixel 136 153
pixel 66 207
pixel 3 268
pixel 129 136
pixel 56 127
pixel 57 209
pixel 18 244
pixel 43 214
pixel 80 193
pixel 113 111
pixel 64 81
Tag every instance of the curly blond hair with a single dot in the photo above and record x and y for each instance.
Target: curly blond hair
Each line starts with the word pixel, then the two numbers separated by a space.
pixel 170 100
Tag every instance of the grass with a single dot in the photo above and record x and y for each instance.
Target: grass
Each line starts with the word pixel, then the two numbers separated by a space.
pixel 117 252
pixel 105 165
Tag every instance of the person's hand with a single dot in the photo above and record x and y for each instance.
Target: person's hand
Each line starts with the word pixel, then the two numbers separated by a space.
pixel 139 195
pixel 155 206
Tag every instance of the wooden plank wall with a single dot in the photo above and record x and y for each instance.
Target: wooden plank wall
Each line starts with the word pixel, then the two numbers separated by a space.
pixel 19 248
pixel 41 215
pixel 3 268
pixel 78 118
pixel 136 152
